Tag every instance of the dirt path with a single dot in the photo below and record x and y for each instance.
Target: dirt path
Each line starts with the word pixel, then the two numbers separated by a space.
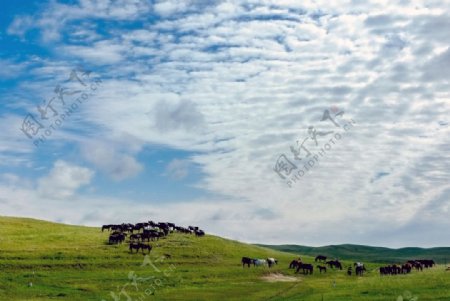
pixel 277 277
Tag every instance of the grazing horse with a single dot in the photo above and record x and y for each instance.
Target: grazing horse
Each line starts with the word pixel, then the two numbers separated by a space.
pixel 406 268
pixel 294 263
pixel 359 270
pixel 199 233
pixel 113 239
pixel 271 261
pixel 320 258
pixel 427 263
pixel 246 261
pixel 116 238
pixel 258 262
pixel 306 267
pixel 322 268
pixel 334 264
pixel 145 246
pixel 135 237
pixel 135 245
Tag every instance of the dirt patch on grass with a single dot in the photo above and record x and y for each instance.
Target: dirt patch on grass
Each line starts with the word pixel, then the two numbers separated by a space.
pixel 277 277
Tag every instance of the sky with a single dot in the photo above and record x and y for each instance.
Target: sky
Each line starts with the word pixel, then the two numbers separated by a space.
pixel 269 121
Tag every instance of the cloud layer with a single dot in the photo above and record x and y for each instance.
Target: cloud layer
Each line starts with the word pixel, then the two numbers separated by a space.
pixel 236 84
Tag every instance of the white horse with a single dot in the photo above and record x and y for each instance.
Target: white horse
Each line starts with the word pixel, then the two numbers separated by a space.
pixel 259 262
pixel 359 264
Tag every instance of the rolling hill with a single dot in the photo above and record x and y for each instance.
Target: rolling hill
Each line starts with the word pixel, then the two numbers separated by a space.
pixel 41 260
pixel 368 253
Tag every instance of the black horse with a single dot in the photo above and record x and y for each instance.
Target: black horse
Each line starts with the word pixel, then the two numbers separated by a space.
pixel 359 270
pixel 116 238
pixel 320 258
pixel 294 264
pixel 306 267
pixel 106 227
pixel 135 237
pixel 246 261
pixel 135 246
pixel 146 247
pixel 334 264
pixel 199 233
pixel 322 268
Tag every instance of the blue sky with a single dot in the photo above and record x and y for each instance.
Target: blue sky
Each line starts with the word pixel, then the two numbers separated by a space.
pixel 181 111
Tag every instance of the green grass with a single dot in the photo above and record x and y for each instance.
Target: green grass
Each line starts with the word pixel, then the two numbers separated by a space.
pixel 74 263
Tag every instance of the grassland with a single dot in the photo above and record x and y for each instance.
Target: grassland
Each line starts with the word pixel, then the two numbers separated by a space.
pixel 47 261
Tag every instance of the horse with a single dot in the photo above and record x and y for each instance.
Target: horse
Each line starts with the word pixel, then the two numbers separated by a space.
pixel 135 245
pixel 144 246
pixel 246 261
pixel 320 258
pixel 172 226
pixel 322 268
pixel 359 270
pixel 107 227
pixel 427 263
pixel 306 267
pixel 113 239
pixel 349 271
pixel 406 268
pixel 334 263
pixel 294 263
pixel 199 233
pixel 135 237
pixel 116 238
pixel 258 262
pixel 271 261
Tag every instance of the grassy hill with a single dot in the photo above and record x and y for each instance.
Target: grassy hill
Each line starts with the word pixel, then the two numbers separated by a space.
pixel 47 261
pixel 367 253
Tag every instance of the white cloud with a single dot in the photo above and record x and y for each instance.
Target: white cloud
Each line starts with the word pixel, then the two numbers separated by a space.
pixel 20 25
pixel 177 169
pixel 112 162
pixel 64 180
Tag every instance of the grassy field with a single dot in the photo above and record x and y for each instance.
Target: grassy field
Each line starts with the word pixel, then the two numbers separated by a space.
pixel 47 261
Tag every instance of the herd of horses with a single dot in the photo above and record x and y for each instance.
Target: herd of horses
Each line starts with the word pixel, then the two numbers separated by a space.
pixel 407 267
pixel 140 233
pixel 308 268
